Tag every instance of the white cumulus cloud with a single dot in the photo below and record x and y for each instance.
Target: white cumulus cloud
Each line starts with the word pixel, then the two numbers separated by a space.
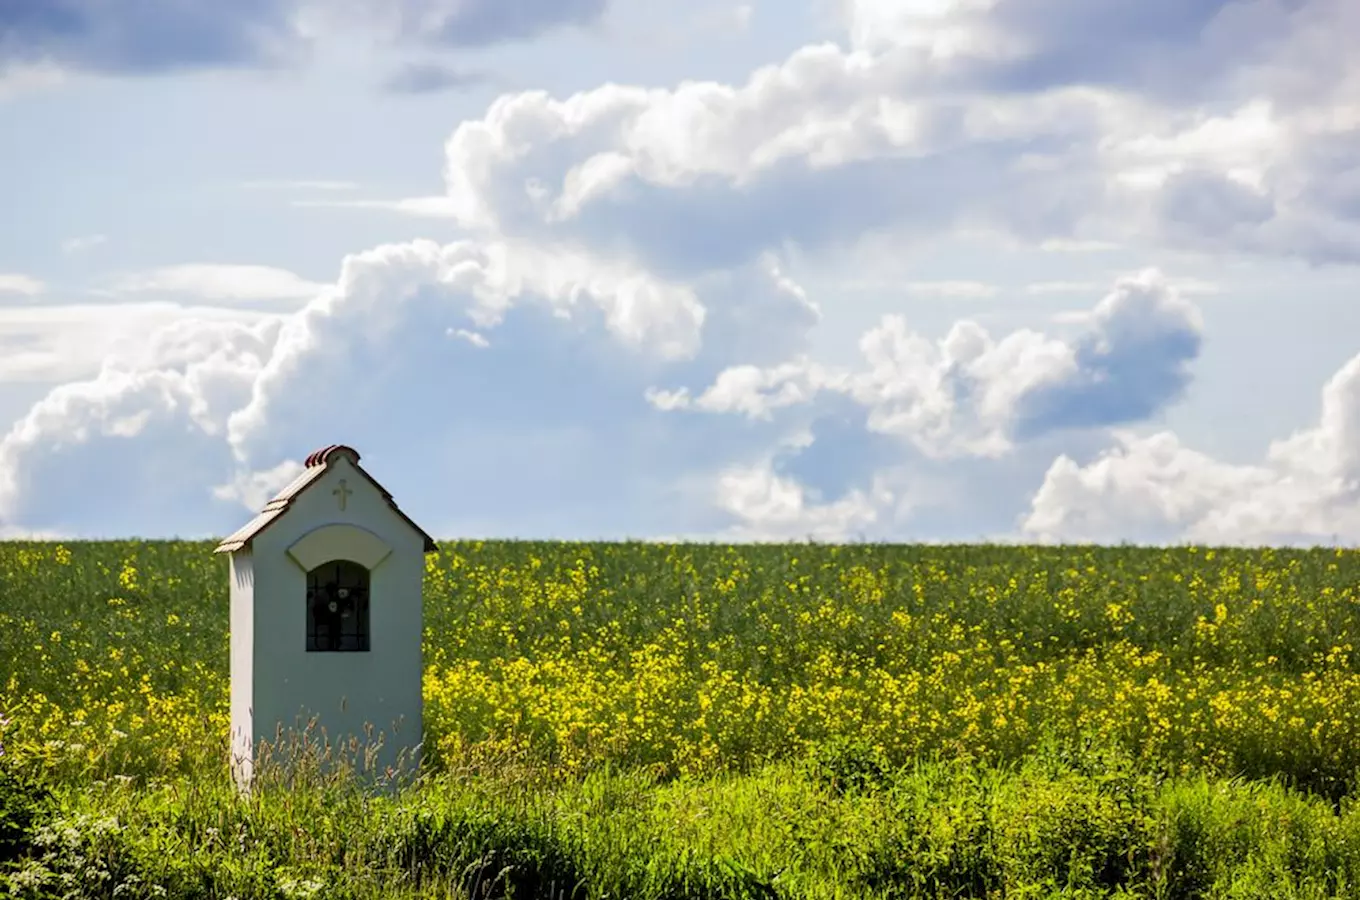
pixel 549 342
pixel 223 283
pixel 972 394
pixel 70 341
pixel 1156 489
pixel 24 285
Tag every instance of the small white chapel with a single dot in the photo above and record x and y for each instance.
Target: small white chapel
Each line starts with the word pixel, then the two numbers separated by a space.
pixel 326 620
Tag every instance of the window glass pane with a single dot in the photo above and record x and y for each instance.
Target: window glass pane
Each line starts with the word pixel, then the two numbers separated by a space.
pixel 338 607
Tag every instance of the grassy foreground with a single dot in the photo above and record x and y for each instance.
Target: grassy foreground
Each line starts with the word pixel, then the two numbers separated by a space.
pixel 1058 825
pixel 636 720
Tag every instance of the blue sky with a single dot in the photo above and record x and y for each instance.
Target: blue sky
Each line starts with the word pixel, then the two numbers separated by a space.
pixel 1042 270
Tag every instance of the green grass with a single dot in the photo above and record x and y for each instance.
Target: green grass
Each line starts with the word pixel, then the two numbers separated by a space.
pixel 640 721
pixel 1058 825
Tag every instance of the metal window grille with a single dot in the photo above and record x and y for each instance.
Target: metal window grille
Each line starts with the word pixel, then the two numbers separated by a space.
pixel 337 608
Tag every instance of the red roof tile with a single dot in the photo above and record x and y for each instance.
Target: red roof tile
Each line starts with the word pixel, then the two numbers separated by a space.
pixel 320 457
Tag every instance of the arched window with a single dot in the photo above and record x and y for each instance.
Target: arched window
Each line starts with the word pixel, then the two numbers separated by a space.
pixel 337 607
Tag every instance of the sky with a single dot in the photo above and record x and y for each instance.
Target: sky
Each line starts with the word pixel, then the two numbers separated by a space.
pixel 870 270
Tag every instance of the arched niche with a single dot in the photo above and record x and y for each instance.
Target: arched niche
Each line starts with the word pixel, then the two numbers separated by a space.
pixel 339 541
pixel 338 560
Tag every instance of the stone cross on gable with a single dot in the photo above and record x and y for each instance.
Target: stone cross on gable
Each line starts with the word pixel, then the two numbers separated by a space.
pixel 342 492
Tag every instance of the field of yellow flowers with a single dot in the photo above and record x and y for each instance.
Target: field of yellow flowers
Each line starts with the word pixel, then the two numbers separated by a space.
pixel 691 664
pixel 693 658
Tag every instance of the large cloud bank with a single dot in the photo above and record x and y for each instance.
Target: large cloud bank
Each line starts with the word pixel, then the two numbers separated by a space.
pixel 618 347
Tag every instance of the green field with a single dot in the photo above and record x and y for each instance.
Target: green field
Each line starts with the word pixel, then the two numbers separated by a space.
pixel 644 720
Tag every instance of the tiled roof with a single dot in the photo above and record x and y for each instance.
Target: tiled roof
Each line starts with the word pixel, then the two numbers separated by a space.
pixel 316 465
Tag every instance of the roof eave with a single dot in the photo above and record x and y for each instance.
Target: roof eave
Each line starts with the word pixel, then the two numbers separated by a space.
pixel 232 546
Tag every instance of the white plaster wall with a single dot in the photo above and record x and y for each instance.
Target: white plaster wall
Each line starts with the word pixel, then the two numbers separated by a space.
pixel 344 691
pixel 242 625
